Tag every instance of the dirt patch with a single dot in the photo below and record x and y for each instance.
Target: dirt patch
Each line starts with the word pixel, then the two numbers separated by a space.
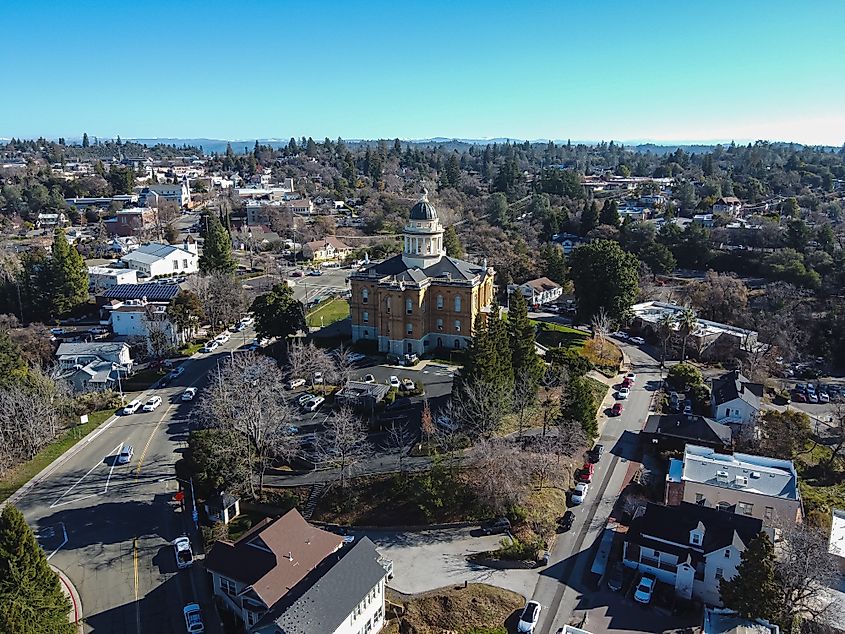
pixel 455 609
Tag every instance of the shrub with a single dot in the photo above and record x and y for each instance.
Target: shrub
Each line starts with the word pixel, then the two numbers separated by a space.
pixel 517 550
pixel 93 401
pixel 683 376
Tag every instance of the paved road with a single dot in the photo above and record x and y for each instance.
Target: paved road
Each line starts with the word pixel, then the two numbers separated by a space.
pixel 561 583
pixel 119 520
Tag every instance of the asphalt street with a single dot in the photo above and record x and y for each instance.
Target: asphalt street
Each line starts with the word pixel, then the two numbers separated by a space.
pixel 561 583
pixel 108 527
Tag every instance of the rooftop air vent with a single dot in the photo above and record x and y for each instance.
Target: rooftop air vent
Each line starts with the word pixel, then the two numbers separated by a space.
pixel 722 475
pixel 741 481
pixel 755 474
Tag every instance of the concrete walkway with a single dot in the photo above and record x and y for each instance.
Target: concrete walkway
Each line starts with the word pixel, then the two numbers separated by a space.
pixel 75 615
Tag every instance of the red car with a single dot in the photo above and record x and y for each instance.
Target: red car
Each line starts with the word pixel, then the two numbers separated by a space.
pixel 627 382
pixel 800 397
pixel 616 410
pixel 585 473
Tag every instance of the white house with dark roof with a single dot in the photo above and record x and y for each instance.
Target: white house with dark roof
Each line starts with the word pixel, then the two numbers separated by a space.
pixel 689 547
pixel 156 259
pixel 744 484
pixel 539 291
pixel 734 399
pixel 94 365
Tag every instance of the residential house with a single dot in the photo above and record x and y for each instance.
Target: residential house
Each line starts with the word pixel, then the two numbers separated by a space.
pixel 568 241
pixel 709 340
pixel 689 547
pixel 538 292
pixel 102 277
pixel 130 222
pixel 727 205
pixel 50 221
pixel 421 299
pixel 179 193
pixel 754 486
pixel 734 399
pixel 672 432
pixel 301 206
pixel 703 220
pixel 93 365
pixel 724 621
pixel 122 246
pixel 287 576
pixel 329 248
pixel 156 259
pixel 139 319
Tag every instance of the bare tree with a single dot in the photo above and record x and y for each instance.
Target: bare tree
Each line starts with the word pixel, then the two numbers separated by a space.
pixel 344 443
pixel 601 328
pixel 499 478
pixel 160 333
pixel 427 421
pixel 524 398
pixel 480 407
pixel 338 370
pixel 553 381
pixel 543 460
pixel 570 438
pixel 399 442
pixel 805 569
pixel 246 396
pixel 222 298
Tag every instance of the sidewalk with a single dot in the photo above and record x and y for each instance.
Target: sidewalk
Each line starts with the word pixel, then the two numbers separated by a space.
pixel 69 589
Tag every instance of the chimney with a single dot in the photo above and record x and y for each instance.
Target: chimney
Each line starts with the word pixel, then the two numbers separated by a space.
pixel 290 556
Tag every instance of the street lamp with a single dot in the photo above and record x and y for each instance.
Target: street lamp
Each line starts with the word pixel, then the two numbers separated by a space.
pixel 119 367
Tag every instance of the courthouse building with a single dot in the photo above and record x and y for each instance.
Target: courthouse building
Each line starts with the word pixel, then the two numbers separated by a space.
pixel 422 299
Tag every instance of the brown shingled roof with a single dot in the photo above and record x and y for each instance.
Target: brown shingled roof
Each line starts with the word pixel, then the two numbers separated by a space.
pixel 274 555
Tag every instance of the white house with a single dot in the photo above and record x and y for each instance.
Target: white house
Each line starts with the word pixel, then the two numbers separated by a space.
pixel 47 221
pixel 689 547
pixel 539 291
pixel 100 277
pixel 144 320
pixel 287 576
pixel 734 399
pixel 155 259
pixel 179 193
pixel 93 365
pixel 728 205
pixel 329 248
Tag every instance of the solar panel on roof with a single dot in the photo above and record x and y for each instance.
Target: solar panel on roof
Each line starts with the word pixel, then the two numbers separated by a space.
pixel 153 292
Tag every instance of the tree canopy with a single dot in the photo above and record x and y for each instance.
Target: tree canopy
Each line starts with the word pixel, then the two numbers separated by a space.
pixel 69 282
pixel 606 277
pixel 278 314
pixel 217 248
pixel 31 597
pixel 754 591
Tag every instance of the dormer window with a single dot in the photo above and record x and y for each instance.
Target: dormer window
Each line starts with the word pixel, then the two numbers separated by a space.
pixel 695 538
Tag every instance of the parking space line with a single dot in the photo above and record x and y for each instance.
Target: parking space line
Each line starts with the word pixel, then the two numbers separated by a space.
pixel 113 462
pixel 64 541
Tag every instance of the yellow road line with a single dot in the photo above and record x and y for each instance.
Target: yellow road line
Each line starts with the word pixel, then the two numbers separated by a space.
pixel 150 440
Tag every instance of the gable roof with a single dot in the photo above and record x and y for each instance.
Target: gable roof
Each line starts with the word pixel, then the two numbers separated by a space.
pixel 732 386
pixel 328 240
pixel 274 555
pixel 332 597
pixel 699 429
pixel 541 284
pixel 452 269
pixel 96 348
pixel 674 523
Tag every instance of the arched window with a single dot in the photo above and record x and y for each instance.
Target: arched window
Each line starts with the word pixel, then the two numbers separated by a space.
pixel 365 296
pixel 457 303
pixel 440 301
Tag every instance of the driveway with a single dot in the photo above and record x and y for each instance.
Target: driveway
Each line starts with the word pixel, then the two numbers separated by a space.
pixel 615 613
pixel 430 559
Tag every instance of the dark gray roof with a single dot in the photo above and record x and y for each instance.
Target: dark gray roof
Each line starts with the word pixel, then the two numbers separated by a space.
pixel 329 600
pixel 423 210
pixel 698 429
pixel 153 292
pixel 734 385
pixel 447 269
pixel 674 523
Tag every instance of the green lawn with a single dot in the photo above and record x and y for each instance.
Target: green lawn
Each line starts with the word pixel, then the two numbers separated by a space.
pixel 22 474
pixel 599 390
pixel 140 381
pixel 190 348
pixel 554 335
pixel 327 313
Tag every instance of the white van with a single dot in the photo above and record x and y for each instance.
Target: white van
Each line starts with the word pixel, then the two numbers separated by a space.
pixel 132 406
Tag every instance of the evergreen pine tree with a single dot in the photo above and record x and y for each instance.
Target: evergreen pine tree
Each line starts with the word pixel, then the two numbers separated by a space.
pixel 589 217
pixel 555 264
pixel 526 364
pixel 452 243
pixel 609 214
pixel 85 141
pixel 69 283
pixel 31 597
pixel 754 591
pixel 502 375
pixel 217 248
pixel 579 404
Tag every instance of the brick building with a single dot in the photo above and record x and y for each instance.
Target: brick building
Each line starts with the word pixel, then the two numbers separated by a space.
pixel 422 299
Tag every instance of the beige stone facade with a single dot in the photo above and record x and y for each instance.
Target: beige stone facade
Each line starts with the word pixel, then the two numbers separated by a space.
pixel 421 300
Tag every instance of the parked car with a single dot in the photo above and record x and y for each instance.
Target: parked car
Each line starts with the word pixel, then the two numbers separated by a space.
pixel 626 382
pixel 631 376
pixel 799 397
pixel 585 473
pixel 175 373
pixel 408 384
pixel 152 404
pixel 580 492
pixel 210 346
pixel 566 521
pixel 193 618
pixel 355 357
pixel 688 407
pixel 297 274
pixel 294 383
pixel 313 404
pixel 824 397
pixel 248 320
pixel 222 338
pixel 812 397
pixel 394 381
pixel 637 341
pixel 596 453
pixel 189 394
pixel 529 617
pixel 623 393
pixel 132 406
pixel 616 577
pixel 183 552
pixel 304 398
pixel 240 326
pixel 315 272
pixel 494 527
pixel 616 410
pixel 317 378
pixel 125 455
pixel 645 590
pixel 368 378
pixel 447 424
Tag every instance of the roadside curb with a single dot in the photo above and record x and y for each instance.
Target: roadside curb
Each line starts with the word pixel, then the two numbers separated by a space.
pixel 70 590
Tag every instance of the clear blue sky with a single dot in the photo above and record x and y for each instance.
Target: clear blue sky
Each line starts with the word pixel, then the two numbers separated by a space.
pixel 593 69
